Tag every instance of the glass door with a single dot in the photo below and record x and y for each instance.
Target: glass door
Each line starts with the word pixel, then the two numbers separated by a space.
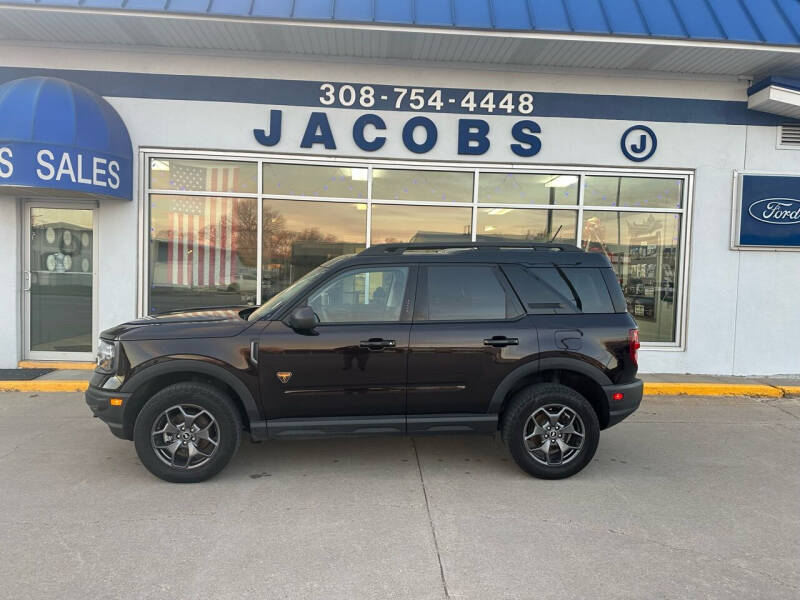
pixel 59 282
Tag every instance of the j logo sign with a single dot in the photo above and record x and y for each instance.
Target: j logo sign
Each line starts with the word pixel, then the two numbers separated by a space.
pixel 638 143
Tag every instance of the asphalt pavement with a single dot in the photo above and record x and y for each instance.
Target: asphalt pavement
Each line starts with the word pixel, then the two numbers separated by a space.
pixel 689 498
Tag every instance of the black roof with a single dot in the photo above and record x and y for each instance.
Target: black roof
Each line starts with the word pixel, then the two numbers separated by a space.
pixel 479 252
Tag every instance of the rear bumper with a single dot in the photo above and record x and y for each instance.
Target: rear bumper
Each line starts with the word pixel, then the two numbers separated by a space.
pixel 631 399
pixel 98 401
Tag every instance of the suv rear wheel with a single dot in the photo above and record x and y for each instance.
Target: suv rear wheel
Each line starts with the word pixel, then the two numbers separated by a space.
pixel 551 430
pixel 187 432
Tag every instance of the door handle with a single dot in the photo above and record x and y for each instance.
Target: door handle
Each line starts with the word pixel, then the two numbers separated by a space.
pixel 377 343
pixel 27 281
pixel 499 341
pixel 254 353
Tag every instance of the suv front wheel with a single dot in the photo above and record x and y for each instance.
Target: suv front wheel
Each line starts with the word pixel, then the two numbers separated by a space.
pixel 187 432
pixel 551 430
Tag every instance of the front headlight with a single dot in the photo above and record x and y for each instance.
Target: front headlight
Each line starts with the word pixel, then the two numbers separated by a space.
pixel 106 356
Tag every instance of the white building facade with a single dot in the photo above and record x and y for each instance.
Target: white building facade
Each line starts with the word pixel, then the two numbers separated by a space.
pixel 247 170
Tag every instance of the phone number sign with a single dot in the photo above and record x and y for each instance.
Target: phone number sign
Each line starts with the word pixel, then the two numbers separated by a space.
pixel 425 99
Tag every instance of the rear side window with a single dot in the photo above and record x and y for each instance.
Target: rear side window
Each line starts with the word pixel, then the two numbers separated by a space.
pixel 466 293
pixel 549 290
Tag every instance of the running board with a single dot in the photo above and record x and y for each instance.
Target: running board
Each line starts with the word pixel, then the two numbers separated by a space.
pixel 375 425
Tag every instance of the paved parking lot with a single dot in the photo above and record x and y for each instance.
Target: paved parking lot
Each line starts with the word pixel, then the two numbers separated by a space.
pixel 690 498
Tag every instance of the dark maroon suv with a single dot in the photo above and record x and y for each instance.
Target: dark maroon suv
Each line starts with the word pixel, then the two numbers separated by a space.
pixel 533 341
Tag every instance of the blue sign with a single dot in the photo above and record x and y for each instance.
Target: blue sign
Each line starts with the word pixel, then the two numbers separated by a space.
pixel 769 211
pixel 638 143
pixel 57 135
pixel 419 134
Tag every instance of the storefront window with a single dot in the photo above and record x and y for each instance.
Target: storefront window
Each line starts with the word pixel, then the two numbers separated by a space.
pixel 638 192
pixel 528 225
pixel 422 186
pixel 644 250
pixel 300 235
pixel 393 223
pixel 188 175
pixel 526 188
pixel 202 251
pixel 315 181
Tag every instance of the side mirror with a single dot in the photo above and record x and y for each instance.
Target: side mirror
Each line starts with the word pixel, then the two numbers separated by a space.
pixel 302 318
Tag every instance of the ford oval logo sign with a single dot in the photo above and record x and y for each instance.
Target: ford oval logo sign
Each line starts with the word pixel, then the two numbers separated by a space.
pixel 776 211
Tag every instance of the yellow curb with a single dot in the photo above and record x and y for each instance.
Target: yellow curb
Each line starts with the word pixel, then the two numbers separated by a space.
pixel 713 389
pixel 46 385
pixel 53 364
pixel 790 390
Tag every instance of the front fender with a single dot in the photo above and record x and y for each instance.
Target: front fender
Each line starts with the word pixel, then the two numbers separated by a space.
pixel 200 365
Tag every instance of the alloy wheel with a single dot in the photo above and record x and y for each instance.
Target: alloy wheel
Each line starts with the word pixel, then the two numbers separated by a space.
pixel 554 435
pixel 185 436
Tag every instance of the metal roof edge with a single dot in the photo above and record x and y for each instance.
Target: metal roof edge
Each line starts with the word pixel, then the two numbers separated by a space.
pixel 400 27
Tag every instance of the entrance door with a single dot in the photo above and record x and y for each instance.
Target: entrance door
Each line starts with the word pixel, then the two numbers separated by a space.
pixel 58 280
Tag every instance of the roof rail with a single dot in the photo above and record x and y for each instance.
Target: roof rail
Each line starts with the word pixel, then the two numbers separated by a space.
pixel 377 249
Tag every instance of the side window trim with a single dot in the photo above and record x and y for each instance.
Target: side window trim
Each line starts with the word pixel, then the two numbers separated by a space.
pixel 510 293
pixel 571 287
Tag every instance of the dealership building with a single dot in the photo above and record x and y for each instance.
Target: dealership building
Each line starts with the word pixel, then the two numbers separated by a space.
pixel 158 155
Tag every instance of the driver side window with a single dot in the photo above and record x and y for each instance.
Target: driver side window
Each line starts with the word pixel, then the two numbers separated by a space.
pixel 369 295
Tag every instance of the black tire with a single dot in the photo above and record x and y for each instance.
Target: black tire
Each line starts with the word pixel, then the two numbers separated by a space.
pixel 526 403
pixel 227 427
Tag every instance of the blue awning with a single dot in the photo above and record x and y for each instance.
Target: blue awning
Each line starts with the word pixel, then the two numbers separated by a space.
pixel 58 136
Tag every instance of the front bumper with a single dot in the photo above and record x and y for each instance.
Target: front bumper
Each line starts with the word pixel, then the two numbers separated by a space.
pixel 99 401
pixel 631 399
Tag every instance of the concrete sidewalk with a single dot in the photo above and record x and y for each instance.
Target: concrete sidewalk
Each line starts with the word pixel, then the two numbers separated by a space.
pixel 689 498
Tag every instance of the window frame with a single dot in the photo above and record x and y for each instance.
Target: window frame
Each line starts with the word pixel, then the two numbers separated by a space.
pixel 146 154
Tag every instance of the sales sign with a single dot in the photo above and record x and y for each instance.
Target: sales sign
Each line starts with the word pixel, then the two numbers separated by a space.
pixel 768 209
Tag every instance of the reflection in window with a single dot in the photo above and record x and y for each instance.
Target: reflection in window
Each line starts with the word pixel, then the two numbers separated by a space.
pixel 299 236
pixel 202 251
pixel 316 181
pixel 393 223
pixel 188 175
pixel 363 296
pixel 527 188
pixel 527 225
pixel 422 186
pixel 644 250
pixel 643 192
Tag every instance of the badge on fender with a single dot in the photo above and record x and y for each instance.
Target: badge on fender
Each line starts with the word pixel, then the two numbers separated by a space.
pixel 284 376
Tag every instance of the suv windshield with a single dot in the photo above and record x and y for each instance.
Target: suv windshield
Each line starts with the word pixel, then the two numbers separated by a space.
pixel 279 299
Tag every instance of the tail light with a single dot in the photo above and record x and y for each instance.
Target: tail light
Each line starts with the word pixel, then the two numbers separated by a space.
pixel 633 345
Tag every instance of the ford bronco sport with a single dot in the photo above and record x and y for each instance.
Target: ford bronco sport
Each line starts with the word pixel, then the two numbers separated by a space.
pixel 532 340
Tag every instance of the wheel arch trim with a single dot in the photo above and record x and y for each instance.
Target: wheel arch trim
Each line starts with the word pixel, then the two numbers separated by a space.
pixel 544 364
pixel 200 367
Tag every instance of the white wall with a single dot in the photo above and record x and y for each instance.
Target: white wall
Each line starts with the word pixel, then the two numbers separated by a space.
pixel 741 315
pixel 10 308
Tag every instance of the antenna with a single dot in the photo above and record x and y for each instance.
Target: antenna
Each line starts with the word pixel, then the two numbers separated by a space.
pixel 556 233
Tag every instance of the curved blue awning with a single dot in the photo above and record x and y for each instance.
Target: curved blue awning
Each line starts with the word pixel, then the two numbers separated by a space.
pixel 56 135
